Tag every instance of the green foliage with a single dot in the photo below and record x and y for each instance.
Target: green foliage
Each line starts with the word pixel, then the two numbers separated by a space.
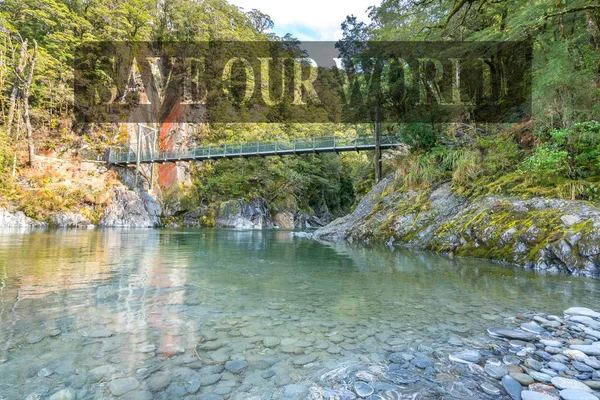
pixel 547 162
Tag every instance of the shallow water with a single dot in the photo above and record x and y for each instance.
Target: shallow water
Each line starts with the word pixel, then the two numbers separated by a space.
pixel 170 308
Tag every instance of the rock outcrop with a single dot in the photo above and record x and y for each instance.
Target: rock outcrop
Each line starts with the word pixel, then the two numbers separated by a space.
pixel 240 214
pixel 543 234
pixel 17 220
pixel 132 210
pixel 66 219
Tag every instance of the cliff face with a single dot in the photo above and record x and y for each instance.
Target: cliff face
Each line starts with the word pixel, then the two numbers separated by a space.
pixel 132 210
pixel 543 234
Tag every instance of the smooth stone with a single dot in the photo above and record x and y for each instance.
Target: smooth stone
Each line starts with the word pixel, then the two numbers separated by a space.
pixel 465 357
pixel 159 381
pixel 582 367
pixel 307 359
pixel 510 359
pixel 119 387
pixel 334 349
pixel 595 385
pixel 588 350
pixel 532 327
pixel 586 321
pixel 421 362
pixel 219 356
pixel 551 343
pixel 592 332
pixel 549 371
pixel 560 358
pixel 194 386
pixel 495 371
pixel 271 341
pixel 523 379
pixel 64 394
pixel 511 334
pixel 294 391
pixel 574 394
pixel 540 376
pixel 557 366
pixel 586 312
pixel 236 366
pixel 288 341
pixel 531 395
pixel 592 362
pixel 147 348
pixel 490 389
pixel 543 355
pixel 512 387
pixel 363 389
pixel 534 364
pixel 208 380
pixel 566 383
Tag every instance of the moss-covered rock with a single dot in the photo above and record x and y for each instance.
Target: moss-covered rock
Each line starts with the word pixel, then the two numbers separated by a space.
pixel 544 234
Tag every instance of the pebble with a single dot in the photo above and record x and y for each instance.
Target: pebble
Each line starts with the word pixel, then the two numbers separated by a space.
pixel 511 334
pixel 531 363
pixel 236 366
pixel 588 350
pixel 523 379
pixel 557 366
pixel 574 394
pixel 512 387
pixel 270 341
pixel 531 395
pixel 64 394
pixel 466 356
pixel 490 389
pixel 495 371
pixel 540 376
pixel 421 362
pixel 532 327
pixel 586 312
pixel 363 389
pixel 307 359
pixel 566 383
pixel 119 387
pixel 551 343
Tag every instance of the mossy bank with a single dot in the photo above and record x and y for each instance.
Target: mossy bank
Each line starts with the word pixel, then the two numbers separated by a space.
pixel 538 233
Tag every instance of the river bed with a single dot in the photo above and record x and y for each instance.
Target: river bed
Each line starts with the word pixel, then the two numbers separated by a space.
pixel 222 314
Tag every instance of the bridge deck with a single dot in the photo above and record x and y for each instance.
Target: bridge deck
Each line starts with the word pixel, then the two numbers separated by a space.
pixel 254 149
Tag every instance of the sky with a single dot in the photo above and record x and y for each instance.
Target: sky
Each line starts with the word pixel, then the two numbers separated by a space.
pixel 309 19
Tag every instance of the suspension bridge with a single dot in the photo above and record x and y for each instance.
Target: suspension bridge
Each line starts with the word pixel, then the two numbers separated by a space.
pixel 146 150
pixel 315 145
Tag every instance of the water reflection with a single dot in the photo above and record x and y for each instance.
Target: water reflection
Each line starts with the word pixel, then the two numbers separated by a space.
pixel 131 299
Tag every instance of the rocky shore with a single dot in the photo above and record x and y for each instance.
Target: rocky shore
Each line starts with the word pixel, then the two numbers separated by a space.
pixel 547 357
pixel 538 233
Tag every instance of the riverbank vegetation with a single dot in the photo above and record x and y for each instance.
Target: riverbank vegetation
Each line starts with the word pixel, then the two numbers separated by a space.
pixel 557 152
pixel 554 154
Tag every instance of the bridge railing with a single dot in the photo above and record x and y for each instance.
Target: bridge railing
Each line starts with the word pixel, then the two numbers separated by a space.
pixel 124 155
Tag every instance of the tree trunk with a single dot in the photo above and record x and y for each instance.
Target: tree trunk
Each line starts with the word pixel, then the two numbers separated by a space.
pixel 26 88
pixel 18 67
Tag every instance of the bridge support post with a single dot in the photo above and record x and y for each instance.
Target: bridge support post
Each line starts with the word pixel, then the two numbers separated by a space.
pixel 137 155
pixel 378 176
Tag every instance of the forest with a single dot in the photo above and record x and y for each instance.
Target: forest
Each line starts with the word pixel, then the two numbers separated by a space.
pixel 554 153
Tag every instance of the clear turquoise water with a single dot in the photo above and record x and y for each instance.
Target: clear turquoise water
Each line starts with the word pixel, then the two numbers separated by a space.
pixel 138 300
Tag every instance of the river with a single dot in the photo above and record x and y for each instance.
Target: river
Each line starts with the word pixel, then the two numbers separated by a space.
pixel 214 314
